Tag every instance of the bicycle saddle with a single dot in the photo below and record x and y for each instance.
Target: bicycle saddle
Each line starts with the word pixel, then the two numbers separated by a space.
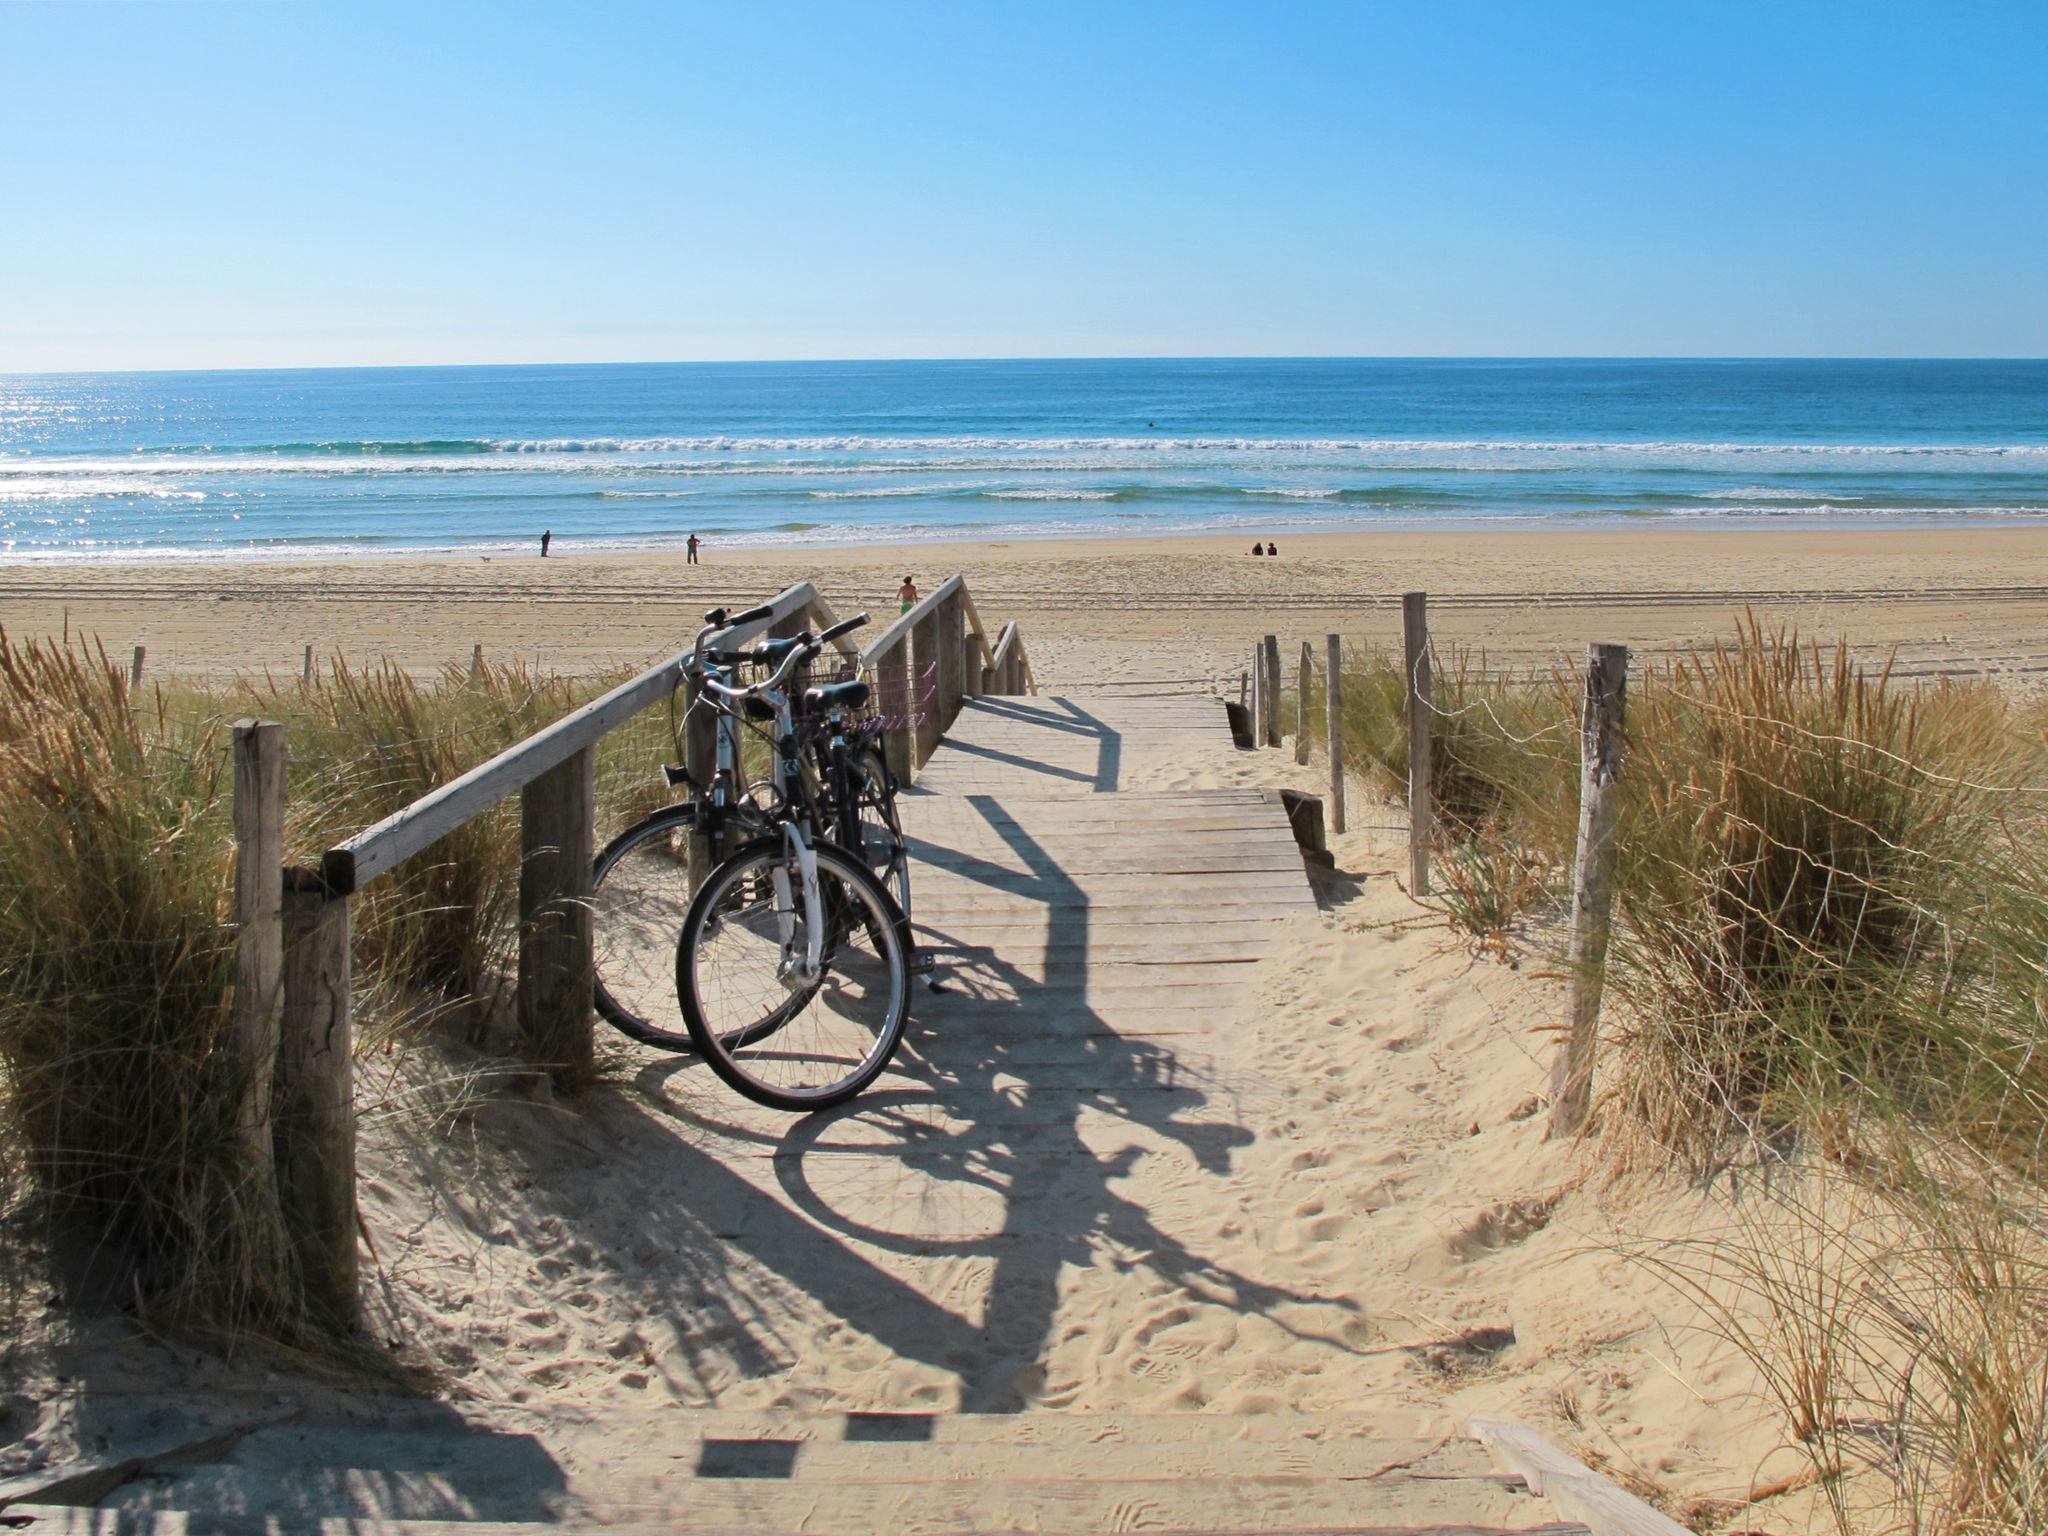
pixel 847 695
pixel 767 653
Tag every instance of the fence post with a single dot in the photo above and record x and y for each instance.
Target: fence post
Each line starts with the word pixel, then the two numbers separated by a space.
pixel 135 666
pixel 259 929
pixel 892 693
pixel 1421 807
pixel 700 761
pixel 1601 721
pixel 924 640
pixel 314 1123
pixel 1244 683
pixel 1301 706
pixel 1258 672
pixel 557 836
pixel 951 685
pixel 1269 650
pixel 307 674
pixel 1333 712
pixel 476 660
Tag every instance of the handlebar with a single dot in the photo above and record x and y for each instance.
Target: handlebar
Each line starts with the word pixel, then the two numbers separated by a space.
pixel 843 627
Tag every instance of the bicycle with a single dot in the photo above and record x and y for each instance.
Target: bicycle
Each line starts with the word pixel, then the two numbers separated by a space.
pixel 793 933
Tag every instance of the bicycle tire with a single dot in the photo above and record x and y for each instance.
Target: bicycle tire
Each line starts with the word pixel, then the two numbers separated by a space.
pixel 640 895
pixel 882 846
pixel 836 1032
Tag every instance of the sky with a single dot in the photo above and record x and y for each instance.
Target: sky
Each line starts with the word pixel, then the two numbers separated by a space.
pixel 273 185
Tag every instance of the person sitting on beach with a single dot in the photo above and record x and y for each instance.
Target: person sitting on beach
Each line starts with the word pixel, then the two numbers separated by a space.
pixel 691 545
pixel 1258 549
pixel 906 595
pixel 1272 548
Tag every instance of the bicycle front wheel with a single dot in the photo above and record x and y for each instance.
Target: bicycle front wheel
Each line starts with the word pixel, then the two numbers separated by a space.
pixel 773 1030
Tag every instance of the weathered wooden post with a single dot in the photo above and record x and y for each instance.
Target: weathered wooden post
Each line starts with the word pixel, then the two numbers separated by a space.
pixel 1270 651
pixel 314 1124
pixel 1301 706
pixel 1421 807
pixel 1333 719
pixel 259 929
pixel 306 675
pixel 1244 684
pixel 135 666
pixel 1602 718
pixel 951 633
pixel 700 761
pixel 557 838
pixel 924 641
pixel 476 661
pixel 892 693
pixel 1258 671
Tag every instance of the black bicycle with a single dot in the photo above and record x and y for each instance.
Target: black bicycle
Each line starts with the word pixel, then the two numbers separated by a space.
pixel 780 962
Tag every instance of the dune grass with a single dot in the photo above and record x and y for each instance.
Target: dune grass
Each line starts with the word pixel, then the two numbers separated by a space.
pixel 1830 959
pixel 119 1087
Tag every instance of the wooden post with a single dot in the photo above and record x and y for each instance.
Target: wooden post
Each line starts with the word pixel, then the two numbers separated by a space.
pixel 307 674
pixel 135 667
pixel 892 696
pixel 700 761
pixel 476 660
pixel 1301 706
pixel 259 928
pixel 1601 719
pixel 557 837
pixel 67 626
pixel 315 1123
pixel 924 641
pixel 1258 672
pixel 1244 684
pixel 1333 711
pixel 951 632
pixel 1421 810
pixel 1270 699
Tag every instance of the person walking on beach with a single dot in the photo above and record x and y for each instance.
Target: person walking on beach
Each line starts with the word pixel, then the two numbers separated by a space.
pixel 907 596
pixel 692 547
pixel 547 537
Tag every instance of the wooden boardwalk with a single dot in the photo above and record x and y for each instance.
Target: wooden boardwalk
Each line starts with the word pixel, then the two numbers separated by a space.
pixel 1062 904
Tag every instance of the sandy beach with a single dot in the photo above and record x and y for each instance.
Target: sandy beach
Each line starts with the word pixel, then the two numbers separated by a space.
pixel 1961 600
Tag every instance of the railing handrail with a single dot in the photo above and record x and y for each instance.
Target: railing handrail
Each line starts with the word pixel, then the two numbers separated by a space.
pixel 898 632
pixel 377 850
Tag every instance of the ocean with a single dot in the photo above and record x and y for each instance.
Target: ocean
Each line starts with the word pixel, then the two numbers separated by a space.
pixel 321 462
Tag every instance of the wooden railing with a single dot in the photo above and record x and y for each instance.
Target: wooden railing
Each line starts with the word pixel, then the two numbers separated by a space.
pixel 930 662
pixel 294 990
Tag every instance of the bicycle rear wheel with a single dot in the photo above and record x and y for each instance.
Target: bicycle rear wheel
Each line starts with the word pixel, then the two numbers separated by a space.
pixel 882 848
pixel 773 1034
pixel 640 894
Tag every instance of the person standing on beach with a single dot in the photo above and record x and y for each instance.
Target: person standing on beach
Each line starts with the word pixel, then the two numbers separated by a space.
pixel 547 537
pixel 692 547
pixel 907 596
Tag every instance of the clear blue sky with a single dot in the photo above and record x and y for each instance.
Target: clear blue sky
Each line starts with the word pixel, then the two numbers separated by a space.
pixel 246 185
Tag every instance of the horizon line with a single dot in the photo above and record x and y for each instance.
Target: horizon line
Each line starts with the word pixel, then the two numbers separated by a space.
pixel 1108 357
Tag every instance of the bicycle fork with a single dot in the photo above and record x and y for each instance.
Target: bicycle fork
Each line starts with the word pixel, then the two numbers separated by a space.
pixel 797 971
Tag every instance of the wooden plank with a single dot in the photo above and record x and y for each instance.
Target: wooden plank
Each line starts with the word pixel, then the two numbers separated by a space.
pixel 557 841
pixel 1601 718
pixel 1578 1491
pixel 378 849
pixel 91 1478
pixel 1421 811
pixel 314 1124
